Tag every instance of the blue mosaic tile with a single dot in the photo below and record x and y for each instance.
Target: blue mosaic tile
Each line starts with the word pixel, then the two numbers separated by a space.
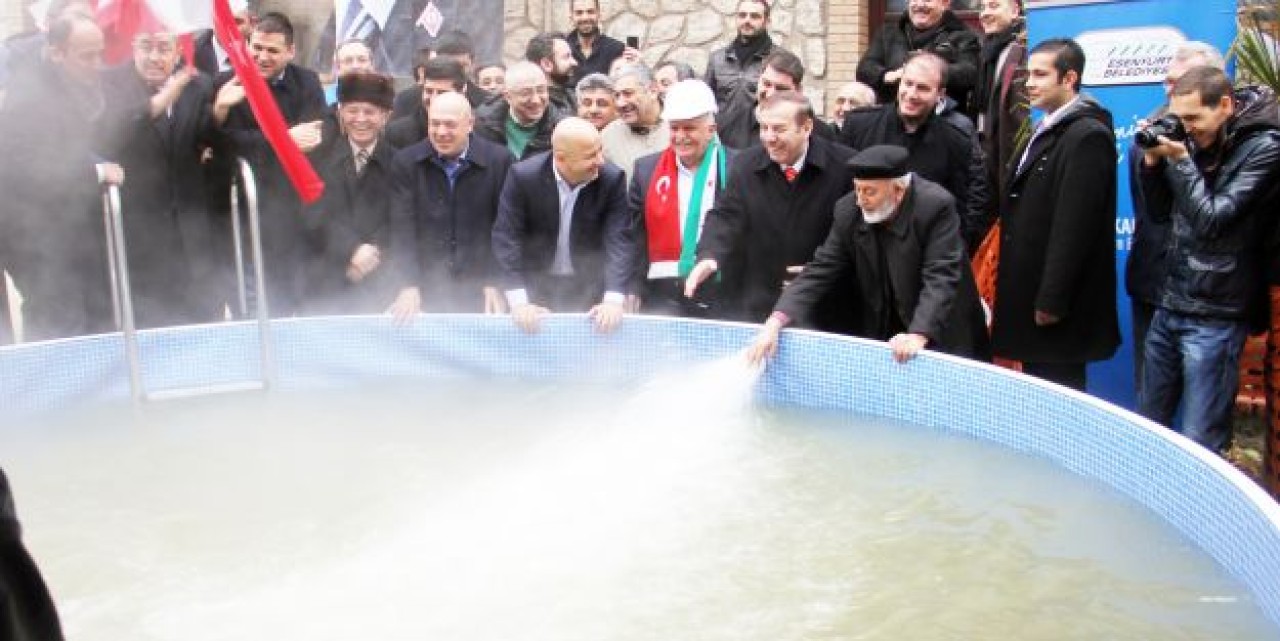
pixel 1213 505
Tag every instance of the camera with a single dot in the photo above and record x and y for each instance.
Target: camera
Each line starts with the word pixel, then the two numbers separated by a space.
pixel 1168 125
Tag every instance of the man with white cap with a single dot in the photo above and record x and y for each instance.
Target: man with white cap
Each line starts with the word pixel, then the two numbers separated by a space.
pixel 670 194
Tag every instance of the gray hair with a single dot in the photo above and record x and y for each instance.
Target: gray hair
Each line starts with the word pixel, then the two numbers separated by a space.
pixel 594 82
pixel 683 70
pixel 1197 49
pixel 641 73
pixel 903 181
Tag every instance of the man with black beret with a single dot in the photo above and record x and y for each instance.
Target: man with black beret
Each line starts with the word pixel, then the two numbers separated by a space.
pixel 896 242
pixel 349 225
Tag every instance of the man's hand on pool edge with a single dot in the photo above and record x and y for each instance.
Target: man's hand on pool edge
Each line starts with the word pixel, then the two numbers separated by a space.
pixel 528 317
pixel 607 316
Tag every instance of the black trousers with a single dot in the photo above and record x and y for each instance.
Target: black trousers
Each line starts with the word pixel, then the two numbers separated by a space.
pixel 1066 374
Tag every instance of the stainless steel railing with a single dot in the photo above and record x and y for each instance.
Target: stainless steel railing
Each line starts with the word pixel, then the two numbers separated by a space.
pixel 122 295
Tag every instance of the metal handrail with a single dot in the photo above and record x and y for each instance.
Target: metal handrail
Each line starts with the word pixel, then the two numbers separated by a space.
pixel 118 265
pixel 122 293
pixel 259 270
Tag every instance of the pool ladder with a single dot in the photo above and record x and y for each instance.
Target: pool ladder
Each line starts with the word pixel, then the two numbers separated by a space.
pixel 122 295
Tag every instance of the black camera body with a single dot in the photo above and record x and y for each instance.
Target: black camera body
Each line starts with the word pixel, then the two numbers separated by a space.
pixel 1169 125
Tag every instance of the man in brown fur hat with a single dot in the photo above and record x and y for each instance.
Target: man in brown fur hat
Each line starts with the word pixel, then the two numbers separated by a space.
pixel 349 224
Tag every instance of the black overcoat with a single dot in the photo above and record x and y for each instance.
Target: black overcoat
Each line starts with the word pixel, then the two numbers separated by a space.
pixel 933 292
pixel 354 210
pixel 765 225
pixel 442 237
pixel 1057 244
pixel 165 201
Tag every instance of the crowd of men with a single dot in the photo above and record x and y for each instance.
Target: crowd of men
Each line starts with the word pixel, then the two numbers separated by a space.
pixel 581 180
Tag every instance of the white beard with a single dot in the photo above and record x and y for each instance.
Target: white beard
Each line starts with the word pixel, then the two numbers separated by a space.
pixel 875 217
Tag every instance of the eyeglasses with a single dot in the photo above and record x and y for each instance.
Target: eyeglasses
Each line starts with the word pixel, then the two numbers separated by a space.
pixel 525 93
pixel 161 47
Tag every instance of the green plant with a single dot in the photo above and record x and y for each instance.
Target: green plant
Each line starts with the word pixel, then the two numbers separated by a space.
pixel 1255 50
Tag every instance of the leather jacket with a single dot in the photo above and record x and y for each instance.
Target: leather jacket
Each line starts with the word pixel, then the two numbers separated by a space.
pixel 1216 202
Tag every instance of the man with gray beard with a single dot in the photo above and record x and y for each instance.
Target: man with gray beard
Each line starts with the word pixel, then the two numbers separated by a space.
pixel 896 240
pixel 52 222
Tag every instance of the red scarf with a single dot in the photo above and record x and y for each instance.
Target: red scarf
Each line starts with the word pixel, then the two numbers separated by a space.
pixel 662 210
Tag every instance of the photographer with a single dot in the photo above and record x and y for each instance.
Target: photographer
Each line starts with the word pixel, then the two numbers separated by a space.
pixel 1207 170
pixel 1144 269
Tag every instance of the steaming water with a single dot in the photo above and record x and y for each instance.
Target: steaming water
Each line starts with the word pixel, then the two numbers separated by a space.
pixel 526 511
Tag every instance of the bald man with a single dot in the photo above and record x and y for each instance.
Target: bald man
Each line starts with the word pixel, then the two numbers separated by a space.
pixel 444 201
pixel 523 118
pixel 564 240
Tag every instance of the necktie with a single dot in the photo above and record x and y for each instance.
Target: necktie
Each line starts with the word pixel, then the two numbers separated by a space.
pixel 790 173
pixel 362 158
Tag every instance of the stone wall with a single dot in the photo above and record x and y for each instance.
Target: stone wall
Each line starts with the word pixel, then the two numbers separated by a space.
pixel 827 35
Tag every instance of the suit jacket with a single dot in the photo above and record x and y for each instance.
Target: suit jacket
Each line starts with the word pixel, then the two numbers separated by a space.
pixel 932 287
pixel 1057 244
pixel 206 55
pixel 354 210
pixel 164 197
pixel 765 225
pixel 409 130
pixel 602 242
pixel 639 192
pixel 442 240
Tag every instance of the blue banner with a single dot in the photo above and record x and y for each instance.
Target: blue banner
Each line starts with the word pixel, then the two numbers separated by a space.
pixel 1128 45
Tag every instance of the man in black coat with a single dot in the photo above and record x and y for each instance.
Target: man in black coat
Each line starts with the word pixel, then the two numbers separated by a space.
pixel 523 118
pixel 349 227
pixel 439 75
pixel 1056 282
pixel 564 240
pixel 52 219
pixel 928 25
pixel 453 45
pixel 733 70
pixel 29 613
pixel 594 51
pixel 444 201
pixel 161 125
pixel 775 210
pixel 298 93
pixel 897 236
pixel 944 150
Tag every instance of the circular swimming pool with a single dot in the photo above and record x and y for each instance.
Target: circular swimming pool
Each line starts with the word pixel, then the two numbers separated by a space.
pixel 459 479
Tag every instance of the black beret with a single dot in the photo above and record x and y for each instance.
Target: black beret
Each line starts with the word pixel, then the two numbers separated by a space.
pixel 373 88
pixel 880 161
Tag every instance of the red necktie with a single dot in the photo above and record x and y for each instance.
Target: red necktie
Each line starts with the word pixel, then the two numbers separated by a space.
pixel 790 173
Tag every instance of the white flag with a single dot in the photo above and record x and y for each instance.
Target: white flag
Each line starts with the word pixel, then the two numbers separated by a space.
pixel 183 16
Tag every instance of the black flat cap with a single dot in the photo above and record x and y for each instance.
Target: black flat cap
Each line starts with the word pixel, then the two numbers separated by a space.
pixel 880 161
